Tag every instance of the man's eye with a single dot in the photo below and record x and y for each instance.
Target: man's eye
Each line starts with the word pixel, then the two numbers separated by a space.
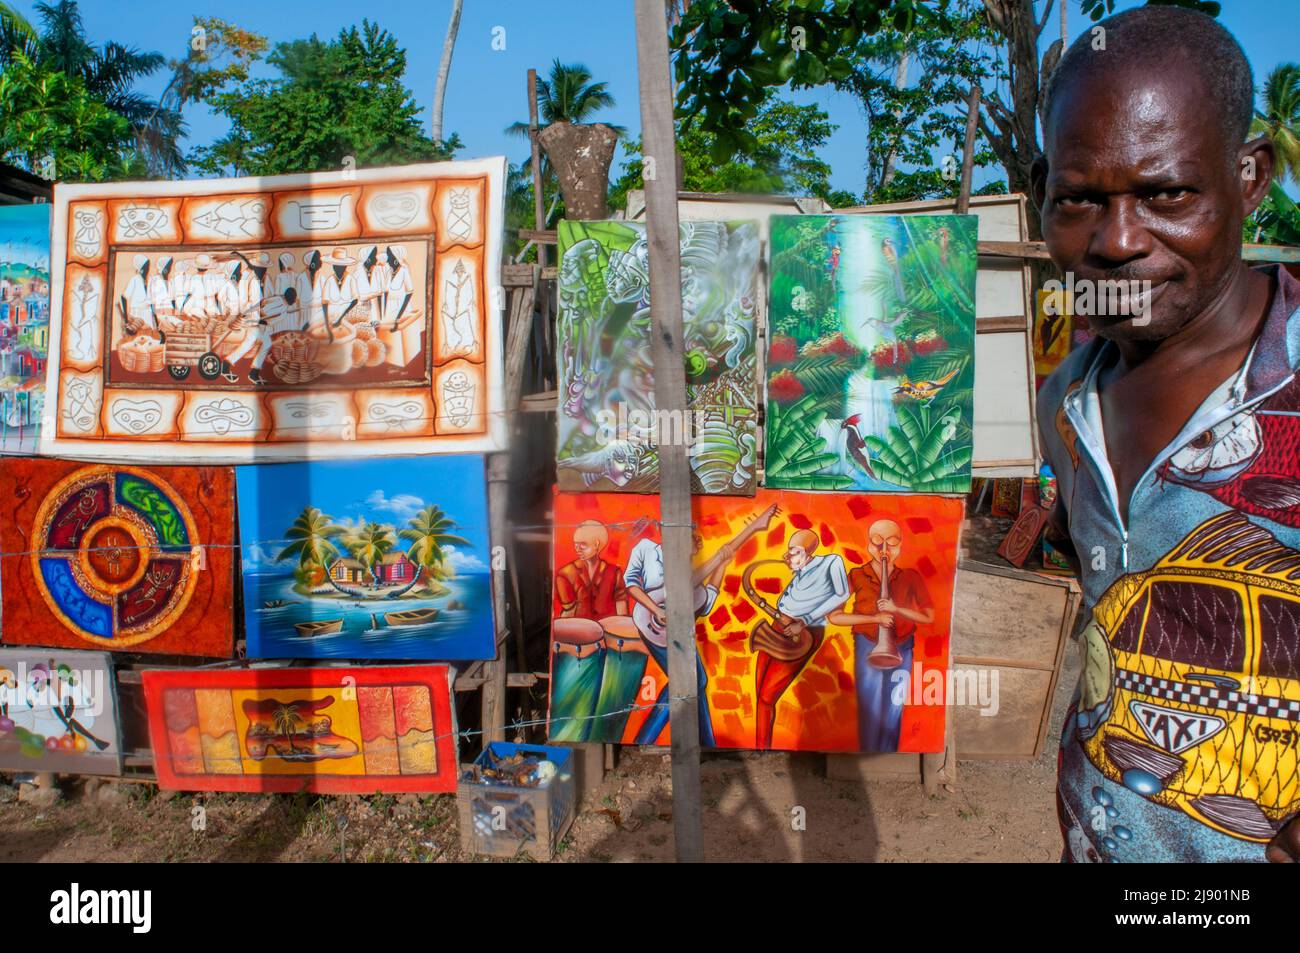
pixel 1071 201
pixel 1168 195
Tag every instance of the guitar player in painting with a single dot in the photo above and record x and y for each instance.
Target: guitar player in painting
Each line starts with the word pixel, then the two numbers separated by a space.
pixel 889 602
pixel 644 580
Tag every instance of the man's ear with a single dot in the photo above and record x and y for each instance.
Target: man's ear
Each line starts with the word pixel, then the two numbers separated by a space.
pixel 1256 161
pixel 1038 182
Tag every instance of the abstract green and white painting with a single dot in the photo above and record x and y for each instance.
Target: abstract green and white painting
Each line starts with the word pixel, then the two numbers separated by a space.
pixel 871 360
pixel 609 430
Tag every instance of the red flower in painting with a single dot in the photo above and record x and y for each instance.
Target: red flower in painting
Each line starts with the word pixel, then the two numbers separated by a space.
pixel 784 388
pixel 927 343
pixel 887 356
pixel 783 350
pixel 833 345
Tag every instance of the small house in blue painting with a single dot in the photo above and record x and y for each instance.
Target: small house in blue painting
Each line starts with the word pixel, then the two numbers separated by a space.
pixel 346 570
pixel 395 570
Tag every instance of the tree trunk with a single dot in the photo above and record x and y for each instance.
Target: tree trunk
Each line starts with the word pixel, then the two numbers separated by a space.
pixel 1012 131
pixel 580 155
pixel 900 81
pixel 444 69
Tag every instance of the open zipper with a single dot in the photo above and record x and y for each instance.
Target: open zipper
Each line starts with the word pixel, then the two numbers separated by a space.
pixel 1203 420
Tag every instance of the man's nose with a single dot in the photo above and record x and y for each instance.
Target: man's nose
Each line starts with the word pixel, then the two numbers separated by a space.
pixel 1120 235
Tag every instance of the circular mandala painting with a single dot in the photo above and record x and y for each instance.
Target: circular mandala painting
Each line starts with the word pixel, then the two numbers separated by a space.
pixel 112 554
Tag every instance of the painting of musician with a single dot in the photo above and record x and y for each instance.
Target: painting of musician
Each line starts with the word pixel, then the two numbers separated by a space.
pixel 789 610
pixel 644 579
pixel 819 587
pixel 889 603
pixel 598 657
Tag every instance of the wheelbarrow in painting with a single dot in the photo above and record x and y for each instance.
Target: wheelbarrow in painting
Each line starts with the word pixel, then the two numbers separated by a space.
pixel 241 319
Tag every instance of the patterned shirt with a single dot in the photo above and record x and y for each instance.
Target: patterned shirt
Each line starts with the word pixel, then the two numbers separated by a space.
pixel 1182 741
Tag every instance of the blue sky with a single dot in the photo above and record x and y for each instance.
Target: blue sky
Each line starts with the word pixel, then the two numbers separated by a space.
pixel 386 491
pixel 488 87
pixel 25 235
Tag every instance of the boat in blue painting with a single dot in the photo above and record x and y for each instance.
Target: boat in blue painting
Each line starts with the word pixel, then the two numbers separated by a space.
pixel 366 559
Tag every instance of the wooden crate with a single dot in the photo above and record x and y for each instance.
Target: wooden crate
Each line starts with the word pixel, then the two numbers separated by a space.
pixel 501 820
pixel 1017 623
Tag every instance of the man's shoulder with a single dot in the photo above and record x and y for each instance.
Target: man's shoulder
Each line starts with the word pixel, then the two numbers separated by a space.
pixel 1069 372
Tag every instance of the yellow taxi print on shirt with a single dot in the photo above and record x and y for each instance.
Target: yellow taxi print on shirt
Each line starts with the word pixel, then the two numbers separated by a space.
pixel 1191 685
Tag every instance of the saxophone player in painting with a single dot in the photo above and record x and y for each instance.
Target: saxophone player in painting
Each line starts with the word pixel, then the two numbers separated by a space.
pixel 819 586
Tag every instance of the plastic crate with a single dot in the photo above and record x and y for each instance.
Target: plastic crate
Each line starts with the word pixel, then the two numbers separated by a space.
pixel 502 820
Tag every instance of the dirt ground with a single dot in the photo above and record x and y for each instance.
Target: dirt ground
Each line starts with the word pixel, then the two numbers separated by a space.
pixel 995 812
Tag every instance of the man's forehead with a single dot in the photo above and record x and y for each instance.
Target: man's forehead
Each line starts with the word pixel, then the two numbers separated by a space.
pixel 1148 124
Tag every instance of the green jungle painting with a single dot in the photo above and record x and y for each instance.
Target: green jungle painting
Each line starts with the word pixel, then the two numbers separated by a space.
pixel 871 360
pixel 609 431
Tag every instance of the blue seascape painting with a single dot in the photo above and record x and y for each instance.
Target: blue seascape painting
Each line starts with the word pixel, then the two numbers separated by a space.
pixel 366 559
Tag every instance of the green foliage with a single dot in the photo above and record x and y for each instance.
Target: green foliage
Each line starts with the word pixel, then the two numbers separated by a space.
pixel 428 532
pixel 1279 118
pixel 62 96
pixel 796 452
pixel 55 127
pixel 311 539
pixel 1096 9
pixel 924 116
pixel 730 53
pixel 1275 222
pixel 331 101
pixel 780 158
pixel 913 453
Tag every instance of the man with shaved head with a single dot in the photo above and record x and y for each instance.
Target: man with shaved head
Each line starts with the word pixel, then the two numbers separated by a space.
pixel 1173 435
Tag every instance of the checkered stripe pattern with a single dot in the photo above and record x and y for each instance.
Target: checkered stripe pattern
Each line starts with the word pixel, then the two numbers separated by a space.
pixel 1209 696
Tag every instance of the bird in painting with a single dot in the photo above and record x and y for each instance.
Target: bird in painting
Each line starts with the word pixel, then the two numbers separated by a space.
pixel 890 253
pixel 923 390
pixel 856 446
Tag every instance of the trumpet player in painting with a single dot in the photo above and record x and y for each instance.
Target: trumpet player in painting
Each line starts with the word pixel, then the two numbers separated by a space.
pixel 785 645
pixel 889 603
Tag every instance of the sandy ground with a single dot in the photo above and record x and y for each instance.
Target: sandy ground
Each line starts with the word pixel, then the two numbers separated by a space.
pixel 996 812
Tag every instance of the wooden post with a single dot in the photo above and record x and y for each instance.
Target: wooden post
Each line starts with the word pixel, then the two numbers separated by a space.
pixel 941 768
pixel 539 199
pixel 670 399
pixel 495 670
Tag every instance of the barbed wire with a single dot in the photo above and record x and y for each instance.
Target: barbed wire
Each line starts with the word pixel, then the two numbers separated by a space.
pixel 193 549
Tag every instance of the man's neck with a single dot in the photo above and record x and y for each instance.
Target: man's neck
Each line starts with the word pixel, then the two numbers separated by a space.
pixel 1230 322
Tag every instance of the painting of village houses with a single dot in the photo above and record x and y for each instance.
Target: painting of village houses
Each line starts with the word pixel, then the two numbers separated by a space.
pixel 24 324
pixel 278 312
pixel 366 560
pixel 871 360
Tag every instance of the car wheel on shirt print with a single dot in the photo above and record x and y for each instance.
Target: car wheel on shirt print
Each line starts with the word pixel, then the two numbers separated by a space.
pixel 1191 722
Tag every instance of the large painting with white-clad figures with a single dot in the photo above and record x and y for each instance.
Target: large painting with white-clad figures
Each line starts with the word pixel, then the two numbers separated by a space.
pixel 355 313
